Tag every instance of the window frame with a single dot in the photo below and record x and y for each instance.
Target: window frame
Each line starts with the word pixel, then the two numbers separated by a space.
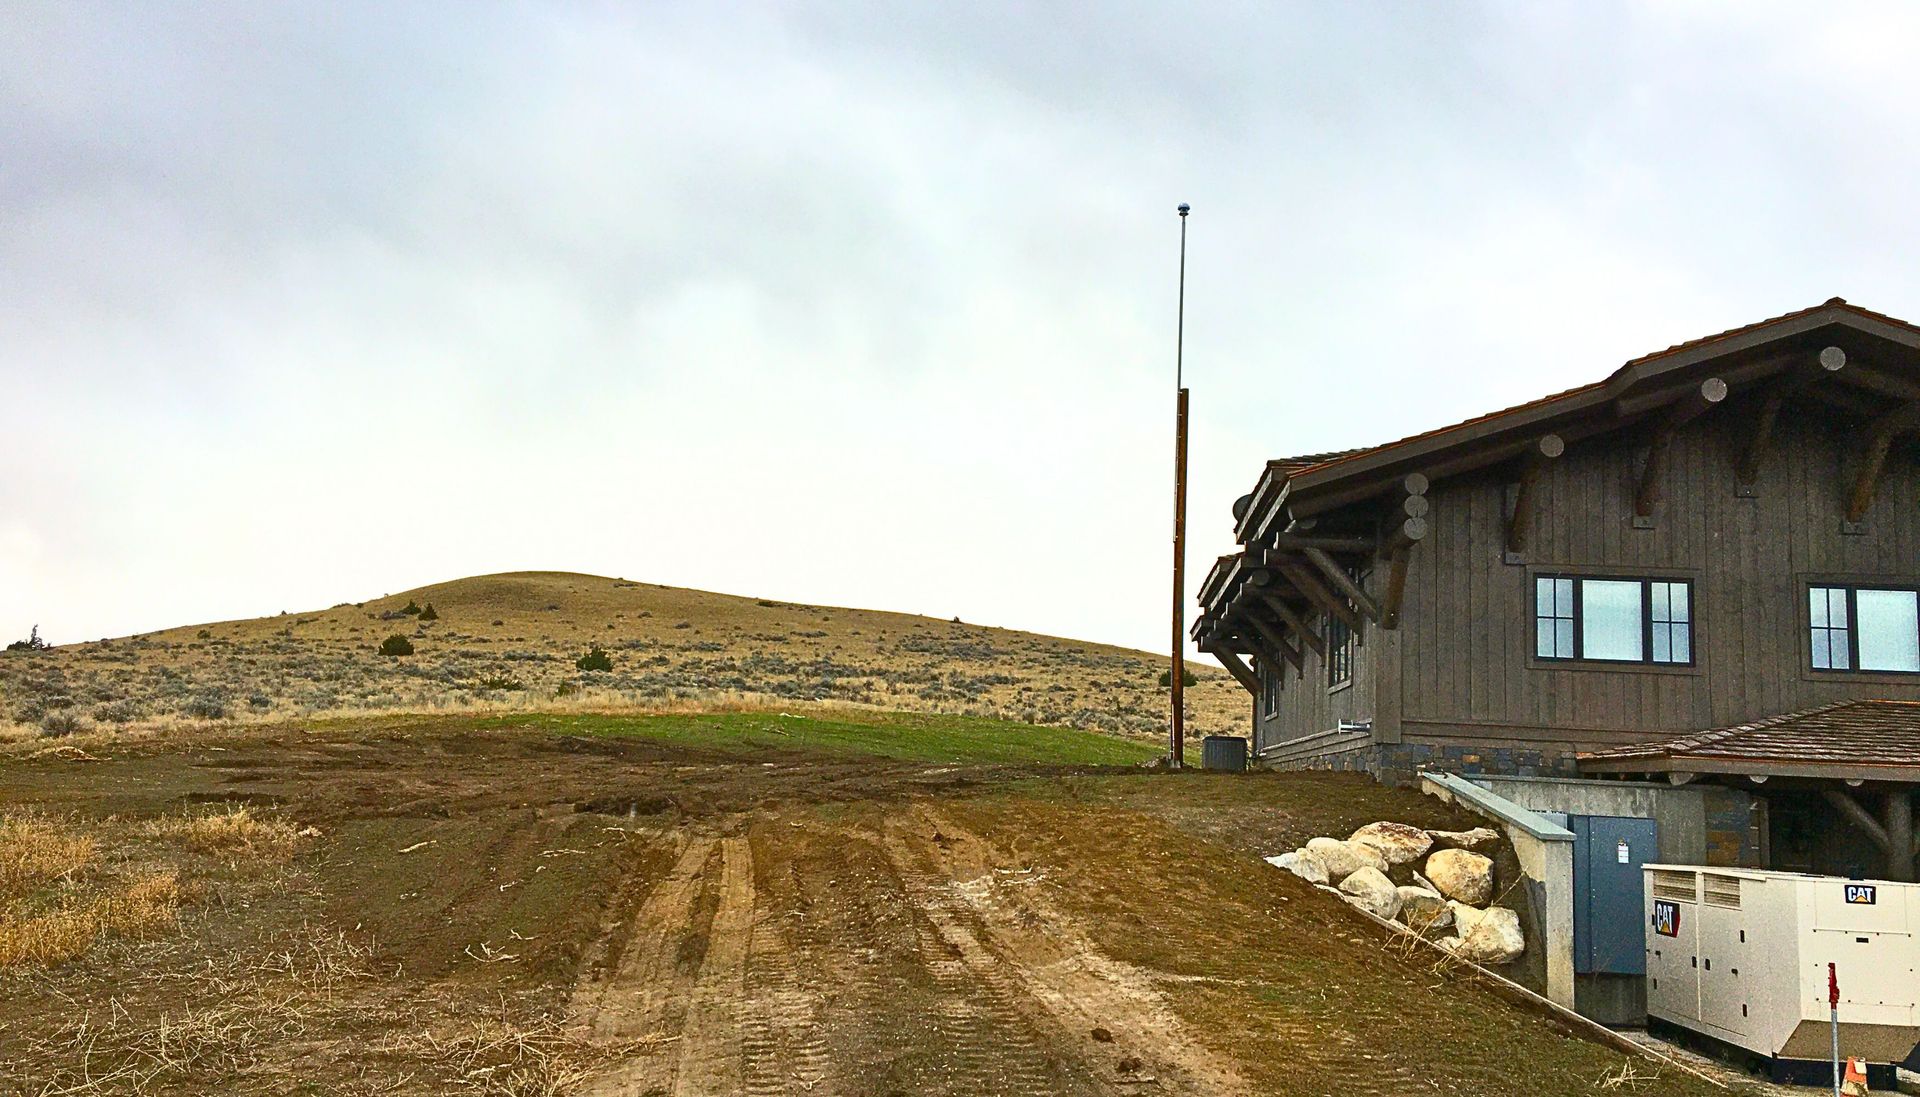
pixel 1646 583
pixel 1272 684
pixel 1851 587
pixel 1343 653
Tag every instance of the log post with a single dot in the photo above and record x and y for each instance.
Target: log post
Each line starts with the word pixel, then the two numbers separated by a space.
pixel 1899 827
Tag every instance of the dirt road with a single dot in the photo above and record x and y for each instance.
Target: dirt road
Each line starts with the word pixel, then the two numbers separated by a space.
pixel 899 954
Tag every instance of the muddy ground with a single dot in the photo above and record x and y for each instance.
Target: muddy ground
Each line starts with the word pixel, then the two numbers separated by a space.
pixel 510 912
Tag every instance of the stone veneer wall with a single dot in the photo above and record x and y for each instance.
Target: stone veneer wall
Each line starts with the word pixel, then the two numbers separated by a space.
pixel 1400 763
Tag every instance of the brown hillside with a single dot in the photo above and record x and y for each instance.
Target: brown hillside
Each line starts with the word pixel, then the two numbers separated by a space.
pixel 512 641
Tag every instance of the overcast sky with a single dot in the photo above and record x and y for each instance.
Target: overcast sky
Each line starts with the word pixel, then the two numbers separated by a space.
pixel 864 305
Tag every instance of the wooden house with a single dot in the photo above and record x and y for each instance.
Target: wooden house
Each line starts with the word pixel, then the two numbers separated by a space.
pixel 1622 578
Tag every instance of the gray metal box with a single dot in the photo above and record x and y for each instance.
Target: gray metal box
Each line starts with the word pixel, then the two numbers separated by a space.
pixel 1224 752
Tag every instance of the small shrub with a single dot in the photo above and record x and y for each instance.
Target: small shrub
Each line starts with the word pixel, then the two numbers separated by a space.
pixel 395 646
pixel 260 701
pixel 204 634
pixel 61 723
pixel 499 682
pixel 33 642
pixel 412 608
pixel 566 689
pixel 429 614
pixel 597 659
pixel 205 706
pixel 1186 678
pixel 123 711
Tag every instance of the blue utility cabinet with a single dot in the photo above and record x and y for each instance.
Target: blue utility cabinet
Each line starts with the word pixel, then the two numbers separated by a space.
pixel 1608 850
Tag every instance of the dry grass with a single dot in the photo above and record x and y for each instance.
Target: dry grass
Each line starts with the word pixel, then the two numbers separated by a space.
pixel 60 896
pixel 35 851
pixel 145 908
pixel 233 833
pixel 509 642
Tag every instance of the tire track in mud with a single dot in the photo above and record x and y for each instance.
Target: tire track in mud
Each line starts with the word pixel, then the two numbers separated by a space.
pixel 980 1015
pixel 710 1060
pixel 1047 962
pixel 649 993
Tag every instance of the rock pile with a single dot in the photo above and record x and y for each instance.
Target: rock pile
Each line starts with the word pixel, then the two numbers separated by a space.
pixel 1374 869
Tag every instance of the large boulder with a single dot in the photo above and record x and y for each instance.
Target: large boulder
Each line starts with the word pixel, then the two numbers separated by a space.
pixel 1302 863
pixel 1371 891
pixel 1477 839
pixel 1461 874
pixel 1343 859
pixel 1424 910
pixel 1397 842
pixel 1492 936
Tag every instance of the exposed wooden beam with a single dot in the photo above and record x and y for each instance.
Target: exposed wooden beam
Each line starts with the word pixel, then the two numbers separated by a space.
pixel 1825 364
pixel 1397 546
pixel 1293 542
pixel 1293 621
pixel 1343 582
pixel 1858 816
pixel 1520 522
pixel 1709 393
pixel 1853 403
pixel 1880 434
pixel 1405 535
pixel 1236 667
pixel 1276 639
pixel 1318 594
pixel 1899 825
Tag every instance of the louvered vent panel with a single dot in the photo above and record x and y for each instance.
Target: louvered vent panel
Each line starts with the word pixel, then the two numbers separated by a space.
pixel 1723 891
pixel 1677 886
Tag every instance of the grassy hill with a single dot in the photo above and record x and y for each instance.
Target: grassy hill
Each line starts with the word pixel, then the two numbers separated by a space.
pixel 511 642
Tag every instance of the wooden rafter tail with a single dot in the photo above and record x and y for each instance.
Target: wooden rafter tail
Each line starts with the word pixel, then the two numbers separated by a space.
pixel 1710 393
pixel 1825 364
pixel 1520 522
pixel 1276 640
pixel 1880 434
pixel 1236 667
pixel 1317 593
pixel 1279 608
pixel 1343 582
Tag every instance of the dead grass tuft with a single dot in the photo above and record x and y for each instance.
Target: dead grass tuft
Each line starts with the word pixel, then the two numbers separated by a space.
pixel 36 851
pixel 145 908
pixel 237 832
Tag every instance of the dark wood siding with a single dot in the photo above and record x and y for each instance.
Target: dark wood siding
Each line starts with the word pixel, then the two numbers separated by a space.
pixel 1466 668
pixel 1309 707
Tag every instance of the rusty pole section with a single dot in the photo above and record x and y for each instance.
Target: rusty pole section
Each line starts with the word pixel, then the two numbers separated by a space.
pixel 1177 728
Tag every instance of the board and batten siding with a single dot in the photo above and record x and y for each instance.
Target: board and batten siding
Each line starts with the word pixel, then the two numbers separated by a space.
pixel 1307 723
pixel 1466 667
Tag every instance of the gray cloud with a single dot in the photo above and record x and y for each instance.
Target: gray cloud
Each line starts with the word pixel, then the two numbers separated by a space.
pixel 857 303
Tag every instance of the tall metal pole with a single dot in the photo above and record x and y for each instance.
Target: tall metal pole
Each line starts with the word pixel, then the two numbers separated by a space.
pixel 1177 730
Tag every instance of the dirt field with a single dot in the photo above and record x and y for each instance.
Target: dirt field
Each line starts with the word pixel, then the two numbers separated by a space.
pixel 511 642
pixel 511 910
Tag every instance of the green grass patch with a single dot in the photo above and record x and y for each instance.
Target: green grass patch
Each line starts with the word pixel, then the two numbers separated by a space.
pixel 908 736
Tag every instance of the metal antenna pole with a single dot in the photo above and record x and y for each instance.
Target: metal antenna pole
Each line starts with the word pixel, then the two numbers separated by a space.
pixel 1177 731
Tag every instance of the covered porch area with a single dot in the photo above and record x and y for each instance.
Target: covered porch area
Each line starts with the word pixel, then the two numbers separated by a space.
pixel 1839 782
